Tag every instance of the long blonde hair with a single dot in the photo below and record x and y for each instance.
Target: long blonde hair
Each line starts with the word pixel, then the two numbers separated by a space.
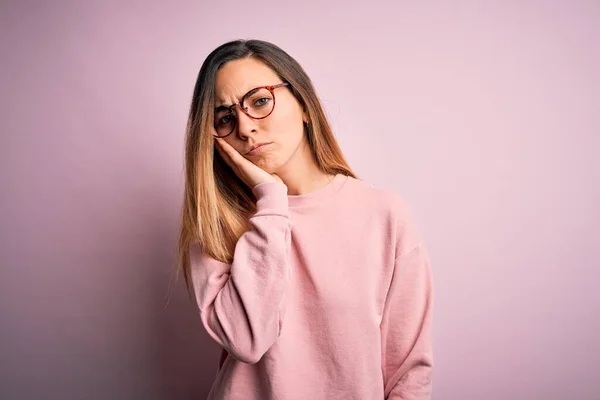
pixel 217 204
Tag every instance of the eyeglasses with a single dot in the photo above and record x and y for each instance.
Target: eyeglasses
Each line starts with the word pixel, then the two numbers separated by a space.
pixel 258 103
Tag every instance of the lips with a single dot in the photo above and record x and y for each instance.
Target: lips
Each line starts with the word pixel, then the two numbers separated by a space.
pixel 256 146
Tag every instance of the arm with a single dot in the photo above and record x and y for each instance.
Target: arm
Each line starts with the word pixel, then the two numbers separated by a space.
pixel 241 304
pixel 406 328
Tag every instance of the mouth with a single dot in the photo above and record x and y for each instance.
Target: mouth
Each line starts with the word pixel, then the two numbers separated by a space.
pixel 259 147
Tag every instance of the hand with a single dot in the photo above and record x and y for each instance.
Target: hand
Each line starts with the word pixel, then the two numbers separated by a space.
pixel 248 172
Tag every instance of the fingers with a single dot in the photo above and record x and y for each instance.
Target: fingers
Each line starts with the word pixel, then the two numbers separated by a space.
pixel 247 171
pixel 233 154
pixel 219 145
pixel 230 155
pixel 219 148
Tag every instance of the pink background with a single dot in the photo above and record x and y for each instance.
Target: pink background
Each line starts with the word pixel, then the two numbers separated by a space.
pixel 485 116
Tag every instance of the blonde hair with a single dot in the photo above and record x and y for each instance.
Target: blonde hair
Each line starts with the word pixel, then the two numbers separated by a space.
pixel 217 204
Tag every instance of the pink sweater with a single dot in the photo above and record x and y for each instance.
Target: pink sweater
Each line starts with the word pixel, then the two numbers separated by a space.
pixel 329 297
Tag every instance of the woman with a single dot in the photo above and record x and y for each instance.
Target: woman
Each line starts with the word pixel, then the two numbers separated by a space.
pixel 315 284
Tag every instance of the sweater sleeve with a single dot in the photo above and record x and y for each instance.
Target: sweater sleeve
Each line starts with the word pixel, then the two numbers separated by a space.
pixel 406 328
pixel 242 304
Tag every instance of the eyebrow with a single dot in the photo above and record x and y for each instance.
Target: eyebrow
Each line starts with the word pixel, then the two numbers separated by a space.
pixel 226 106
pixel 221 107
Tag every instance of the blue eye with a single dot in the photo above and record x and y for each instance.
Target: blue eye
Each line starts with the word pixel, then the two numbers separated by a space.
pixel 225 120
pixel 262 101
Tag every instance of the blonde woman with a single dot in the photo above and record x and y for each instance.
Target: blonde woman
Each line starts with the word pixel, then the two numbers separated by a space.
pixel 316 284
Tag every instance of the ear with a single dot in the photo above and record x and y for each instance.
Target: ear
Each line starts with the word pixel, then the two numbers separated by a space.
pixel 305 118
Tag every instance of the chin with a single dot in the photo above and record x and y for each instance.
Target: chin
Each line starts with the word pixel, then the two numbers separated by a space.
pixel 268 164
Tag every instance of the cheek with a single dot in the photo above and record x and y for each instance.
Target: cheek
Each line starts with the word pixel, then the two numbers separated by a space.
pixel 286 126
pixel 288 135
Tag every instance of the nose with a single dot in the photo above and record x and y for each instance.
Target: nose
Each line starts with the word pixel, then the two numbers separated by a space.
pixel 246 126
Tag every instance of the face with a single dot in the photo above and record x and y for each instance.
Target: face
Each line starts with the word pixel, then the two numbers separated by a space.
pixel 283 128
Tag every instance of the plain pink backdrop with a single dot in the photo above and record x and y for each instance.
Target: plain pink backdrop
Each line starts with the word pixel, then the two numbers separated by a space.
pixel 485 116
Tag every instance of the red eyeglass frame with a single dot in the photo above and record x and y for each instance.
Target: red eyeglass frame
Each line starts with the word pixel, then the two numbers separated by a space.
pixel 270 88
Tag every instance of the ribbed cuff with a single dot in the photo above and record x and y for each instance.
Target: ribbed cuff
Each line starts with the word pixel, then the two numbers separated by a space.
pixel 271 198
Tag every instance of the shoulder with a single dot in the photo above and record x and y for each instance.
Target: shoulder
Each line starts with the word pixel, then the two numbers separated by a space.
pixel 382 199
pixel 391 205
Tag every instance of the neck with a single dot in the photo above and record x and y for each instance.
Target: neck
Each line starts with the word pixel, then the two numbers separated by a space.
pixel 301 174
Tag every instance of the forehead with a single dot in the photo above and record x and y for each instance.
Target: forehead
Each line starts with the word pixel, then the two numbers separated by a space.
pixel 237 77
